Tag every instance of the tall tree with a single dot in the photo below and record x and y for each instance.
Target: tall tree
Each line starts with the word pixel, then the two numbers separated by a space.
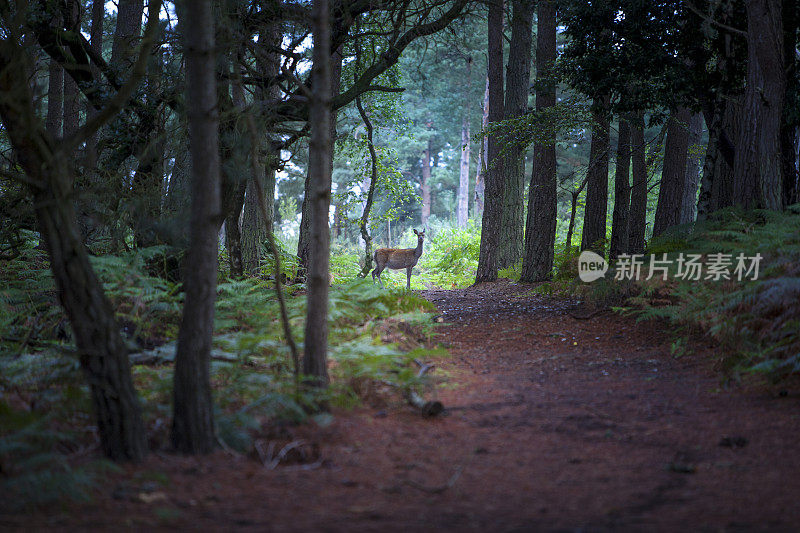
pixel 193 415
pixel 689 203
pixel 594 216
pixel 673 175
pixel 254 227
pixel 791 116
pixel 55 99
pixel 462 209
pixel 540 230
pixel 518 75
pixel 71 101
pixel 426 181
pixel 495 186
pixel 622 191
pixel 315 357
pixel 480 175
pixel 304 242
pixel 638 214
pixel 46 162
pixel 758 170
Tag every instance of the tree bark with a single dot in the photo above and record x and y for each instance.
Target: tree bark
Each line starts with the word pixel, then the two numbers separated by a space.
pixel 594 216
pixel 757 169
pixel 426 182
pixel 102 352
pixel 622 192
pixel 462 209
pixel 518 81
pixel 126 34
pixel 790 123
pixel 480 175
pixel 254 226
pixel 315 358
pixel 55 100
pixel 193 416
pixel 540 230
pixel 304 240
pixel 71 101
pixel 637 220
pixel 96 40
pixel 495 185
pixel 716 184
pixel 233 230
pixel 689 203
pixel 673 175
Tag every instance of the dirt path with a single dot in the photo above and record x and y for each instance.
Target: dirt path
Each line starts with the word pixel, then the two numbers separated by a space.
pixel 553 423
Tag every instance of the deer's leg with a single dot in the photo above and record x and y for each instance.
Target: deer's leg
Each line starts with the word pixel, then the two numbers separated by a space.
pixel 377 272
pixel 408 277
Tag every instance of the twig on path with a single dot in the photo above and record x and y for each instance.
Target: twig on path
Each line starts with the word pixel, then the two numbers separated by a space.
pixel 439 488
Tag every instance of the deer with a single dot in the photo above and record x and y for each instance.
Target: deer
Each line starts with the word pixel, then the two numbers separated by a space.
pixel 397 258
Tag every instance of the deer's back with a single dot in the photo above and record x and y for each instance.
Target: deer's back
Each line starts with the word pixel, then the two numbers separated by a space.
pixel 396 257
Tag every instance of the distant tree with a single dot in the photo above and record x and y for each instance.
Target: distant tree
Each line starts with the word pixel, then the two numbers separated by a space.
pixel 673 175
pixel 462 213
pixel 638 212
pixel 689 202
pixel 594 218
pixel 494 192
pixel 622 191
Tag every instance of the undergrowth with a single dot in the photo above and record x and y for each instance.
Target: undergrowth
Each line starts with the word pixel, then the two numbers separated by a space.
pixel 375 337
pixel 755 323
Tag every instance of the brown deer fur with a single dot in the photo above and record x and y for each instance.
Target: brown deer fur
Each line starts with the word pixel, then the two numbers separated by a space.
pixel 397 258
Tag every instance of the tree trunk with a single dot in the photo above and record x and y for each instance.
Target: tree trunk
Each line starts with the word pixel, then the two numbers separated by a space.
pixel 518 81
pixel 689 203
pixel 55 100
pixel 126 34
pixel 315 358
pixel 233 230
pixel 790 122
pixel 637 221
pixel 462 210
pixel 622 191
pixel 673 175
pixel 540 230
pixel 304 240
pixel 480 175
pixel 148 179
pixel 426 182
pixel 716 184
pixel 193 416
pixel 71 101
pixel 757 170
pixel 102 352
pixel 254 227
pixel 495 185
pixel 594 217
pixel 96 40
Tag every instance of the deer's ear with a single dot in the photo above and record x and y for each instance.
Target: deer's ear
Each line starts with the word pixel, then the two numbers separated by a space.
pixel 416 232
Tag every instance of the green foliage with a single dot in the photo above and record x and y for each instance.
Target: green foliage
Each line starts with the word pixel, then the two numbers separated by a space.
pixel 754 321
pixel 33 470
pixel 450 259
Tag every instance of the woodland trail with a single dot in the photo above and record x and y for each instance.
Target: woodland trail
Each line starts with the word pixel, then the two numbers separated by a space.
pixel 552 424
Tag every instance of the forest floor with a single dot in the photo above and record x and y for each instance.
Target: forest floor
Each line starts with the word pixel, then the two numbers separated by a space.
pixel 552 422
